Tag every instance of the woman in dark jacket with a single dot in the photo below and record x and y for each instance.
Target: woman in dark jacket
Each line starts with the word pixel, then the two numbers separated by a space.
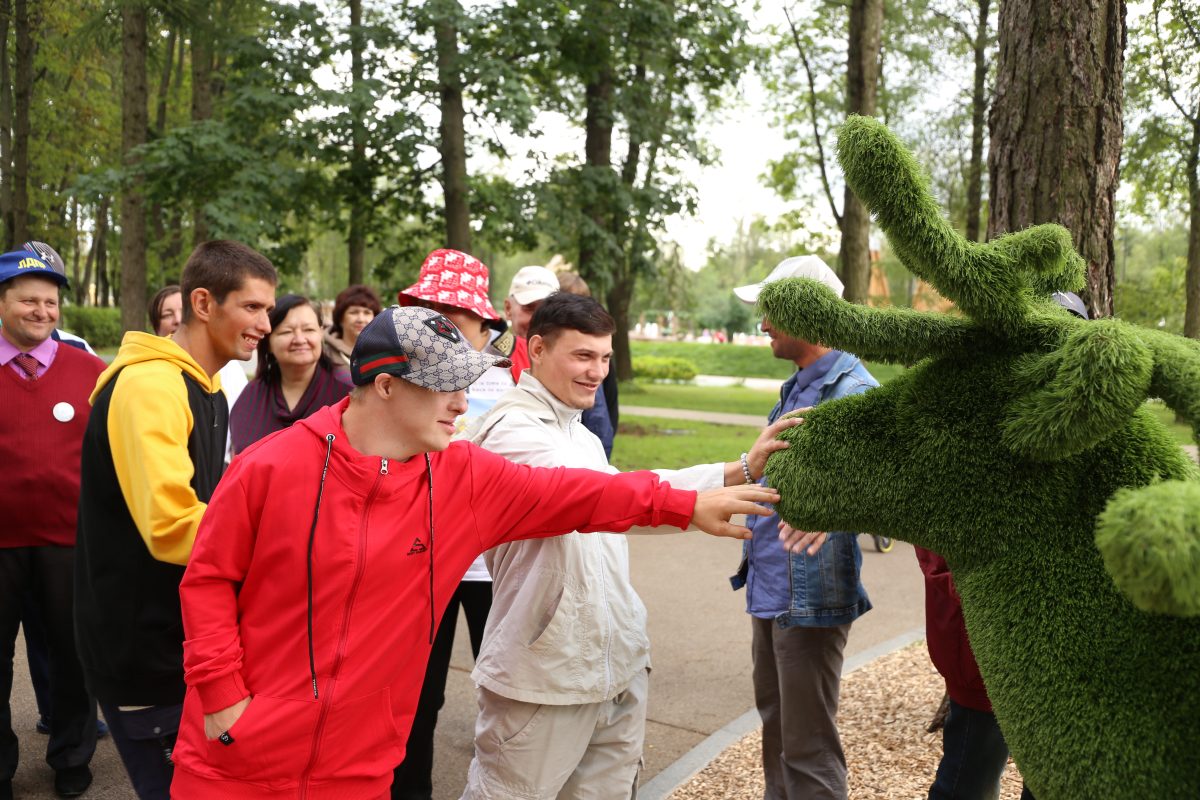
pixel 295 377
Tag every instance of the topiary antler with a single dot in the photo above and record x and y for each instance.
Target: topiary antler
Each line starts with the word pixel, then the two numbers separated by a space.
pixel 992 283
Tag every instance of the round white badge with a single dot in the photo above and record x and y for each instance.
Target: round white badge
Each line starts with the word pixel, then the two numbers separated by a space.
pixel 64 412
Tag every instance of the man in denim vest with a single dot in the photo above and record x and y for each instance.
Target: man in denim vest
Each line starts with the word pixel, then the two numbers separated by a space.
pixel 802 602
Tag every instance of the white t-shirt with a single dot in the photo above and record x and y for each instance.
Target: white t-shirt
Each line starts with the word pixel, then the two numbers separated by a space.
pixel 481 396
pixel 233 380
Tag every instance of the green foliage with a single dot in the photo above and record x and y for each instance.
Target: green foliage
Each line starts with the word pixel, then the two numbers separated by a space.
pixel 742 361
pixel 99 327
pixel 660 368
pixel 1019 449
pixel 1162 95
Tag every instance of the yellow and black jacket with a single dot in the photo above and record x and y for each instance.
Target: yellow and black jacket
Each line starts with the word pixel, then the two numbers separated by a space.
pixel 152 455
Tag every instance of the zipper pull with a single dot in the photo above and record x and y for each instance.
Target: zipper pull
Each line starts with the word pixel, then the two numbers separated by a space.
pixel 383 467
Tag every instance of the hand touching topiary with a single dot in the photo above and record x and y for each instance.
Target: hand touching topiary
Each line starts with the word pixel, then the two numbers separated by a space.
pixel 1017 447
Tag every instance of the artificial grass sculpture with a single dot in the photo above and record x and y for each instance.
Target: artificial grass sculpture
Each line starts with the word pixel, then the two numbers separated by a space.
pixel 1018 448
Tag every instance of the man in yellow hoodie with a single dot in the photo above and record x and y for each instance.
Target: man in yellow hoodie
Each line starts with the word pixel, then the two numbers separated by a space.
pixel 152 456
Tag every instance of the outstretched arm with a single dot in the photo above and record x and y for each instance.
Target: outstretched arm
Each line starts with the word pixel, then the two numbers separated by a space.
pixel 809 310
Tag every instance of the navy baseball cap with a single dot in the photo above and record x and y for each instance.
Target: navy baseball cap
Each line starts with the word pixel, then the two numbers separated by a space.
pixel 29 262
pixel 421 346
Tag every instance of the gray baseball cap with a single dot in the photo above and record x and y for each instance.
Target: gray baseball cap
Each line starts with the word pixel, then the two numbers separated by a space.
pixel 421 346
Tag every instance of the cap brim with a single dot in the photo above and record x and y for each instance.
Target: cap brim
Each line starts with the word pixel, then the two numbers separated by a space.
pixel 748 294
pixel 532 294
pixel 44 274
pixel 457 372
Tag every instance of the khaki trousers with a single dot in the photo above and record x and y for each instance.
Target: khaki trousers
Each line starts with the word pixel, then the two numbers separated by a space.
pixel 527 751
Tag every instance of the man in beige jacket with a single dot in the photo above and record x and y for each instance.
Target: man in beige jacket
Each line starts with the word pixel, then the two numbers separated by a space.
pixel 562 671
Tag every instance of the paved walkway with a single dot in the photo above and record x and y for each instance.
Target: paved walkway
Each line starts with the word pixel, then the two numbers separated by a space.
pixel 753 420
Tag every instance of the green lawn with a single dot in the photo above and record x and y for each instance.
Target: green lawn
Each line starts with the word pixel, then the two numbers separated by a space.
pixel 736 360
pixel 723 399
pixel 1182 433
pixel 654 443
pixel 740 400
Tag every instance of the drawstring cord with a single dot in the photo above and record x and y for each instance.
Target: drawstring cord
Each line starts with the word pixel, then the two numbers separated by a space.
pixel 429 471
pixel 312 533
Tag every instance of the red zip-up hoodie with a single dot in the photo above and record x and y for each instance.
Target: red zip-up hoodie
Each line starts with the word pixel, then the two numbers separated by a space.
pixel 334 676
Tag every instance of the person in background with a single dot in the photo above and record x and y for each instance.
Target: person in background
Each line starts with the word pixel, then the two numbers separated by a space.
pixel 36 649
pixel 166 310
pixel 353 310
pixel 529 289
pixel 295 376
pixel 974 753
pixel 455 284
pixel 44 389
pixel 152 456
pixel 601 419
pixel 802 600
pixel 166 313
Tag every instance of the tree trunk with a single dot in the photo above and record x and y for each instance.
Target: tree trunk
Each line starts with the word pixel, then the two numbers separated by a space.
pixel 1056 127
pixel 597 149
pixel 6 121
pixel 202 107
pixel 75 242
pixel 22 99
pixel 979 101
pixel 134 122
pixel 100 245
pixel 164 84
pixel 453 135
pixel 1191 314
pixel 862 81
pixel 160 128
pixel 618 302
pixel 360 195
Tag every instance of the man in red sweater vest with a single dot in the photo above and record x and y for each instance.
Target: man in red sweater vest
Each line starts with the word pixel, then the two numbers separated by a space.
pixel 328 554
pixel 44 390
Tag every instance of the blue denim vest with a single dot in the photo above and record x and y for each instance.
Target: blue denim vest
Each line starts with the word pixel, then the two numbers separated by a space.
pixel 825 589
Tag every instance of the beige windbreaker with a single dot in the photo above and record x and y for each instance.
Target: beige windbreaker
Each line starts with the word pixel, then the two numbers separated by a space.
pixel 566 626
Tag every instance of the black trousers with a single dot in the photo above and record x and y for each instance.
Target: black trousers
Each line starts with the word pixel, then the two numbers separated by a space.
pixel 46 573
pixel 413 779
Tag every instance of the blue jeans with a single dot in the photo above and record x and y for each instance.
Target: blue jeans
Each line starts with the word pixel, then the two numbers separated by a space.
pixel 974 755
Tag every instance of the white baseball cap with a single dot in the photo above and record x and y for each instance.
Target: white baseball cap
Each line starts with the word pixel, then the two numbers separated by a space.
pixel 531 284
pixel 794 267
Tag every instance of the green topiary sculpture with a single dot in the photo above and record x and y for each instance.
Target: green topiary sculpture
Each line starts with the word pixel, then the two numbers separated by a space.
pixel 1018 448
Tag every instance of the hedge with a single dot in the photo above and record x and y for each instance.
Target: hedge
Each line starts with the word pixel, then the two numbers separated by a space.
pixel 658 368
pixel 101 327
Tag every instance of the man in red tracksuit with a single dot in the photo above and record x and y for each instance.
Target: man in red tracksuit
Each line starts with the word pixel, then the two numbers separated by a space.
pixel 329 550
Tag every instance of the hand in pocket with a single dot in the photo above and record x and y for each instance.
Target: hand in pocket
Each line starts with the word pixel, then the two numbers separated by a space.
pixel 221 721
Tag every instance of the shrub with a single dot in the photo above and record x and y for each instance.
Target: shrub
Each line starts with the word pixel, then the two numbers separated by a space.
pixel 663 368
pixel 101 327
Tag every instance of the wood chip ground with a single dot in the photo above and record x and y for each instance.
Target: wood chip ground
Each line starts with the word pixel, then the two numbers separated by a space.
pixel 885 708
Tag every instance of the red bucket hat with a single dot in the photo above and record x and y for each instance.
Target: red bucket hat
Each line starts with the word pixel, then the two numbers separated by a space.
pixel 453 278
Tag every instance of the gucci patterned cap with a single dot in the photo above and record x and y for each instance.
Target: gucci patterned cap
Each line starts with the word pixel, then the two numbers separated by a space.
pixel 421 346
pixel 453 278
